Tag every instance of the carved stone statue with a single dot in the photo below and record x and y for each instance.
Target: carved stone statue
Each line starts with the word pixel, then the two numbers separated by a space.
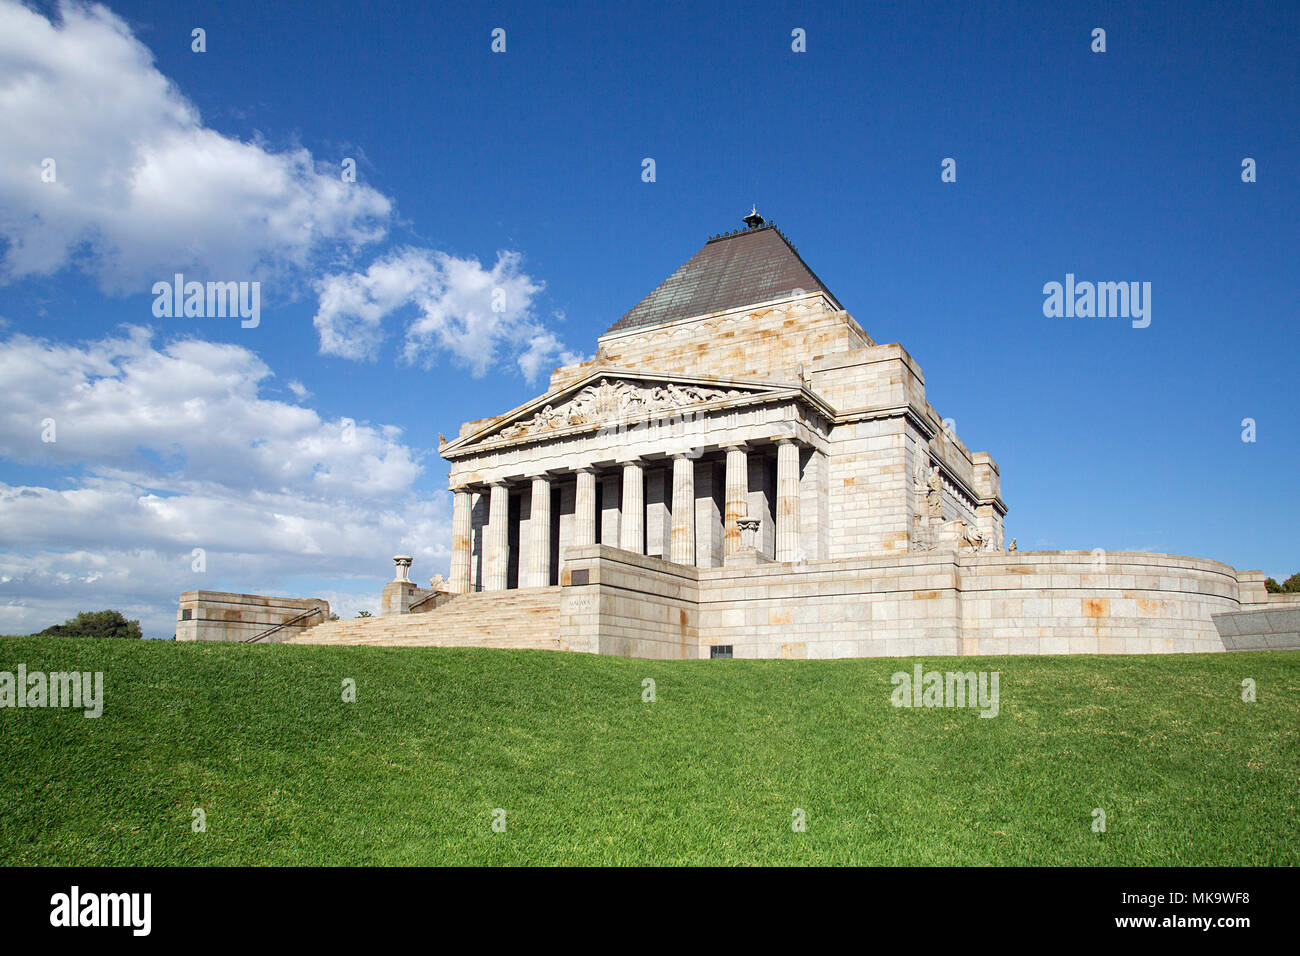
pixel 1012 545
pixel 934 497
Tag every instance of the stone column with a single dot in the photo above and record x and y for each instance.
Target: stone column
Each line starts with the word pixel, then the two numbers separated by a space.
pixel 609 485
pixel 631 531
pixel 814 505
pixel 737 500
pixel 682 549
pixel 461 503
pixel 708 515
pixel 538 574
pixel 497 541
pixel 584 520
pixel 787 500
pixel 762 502
pixel 658 521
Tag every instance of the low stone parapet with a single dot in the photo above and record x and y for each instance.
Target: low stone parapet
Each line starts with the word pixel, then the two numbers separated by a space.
pixel 227 616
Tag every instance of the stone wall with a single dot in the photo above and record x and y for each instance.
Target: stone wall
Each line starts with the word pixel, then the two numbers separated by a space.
pixel 934 603
pixel 768 341
pixel 224 616
pixel 629 605
pixel 882 605
pixel 1270 628
pixel 1092 602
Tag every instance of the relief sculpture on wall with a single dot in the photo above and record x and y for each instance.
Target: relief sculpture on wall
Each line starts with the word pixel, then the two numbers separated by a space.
pixel 609 400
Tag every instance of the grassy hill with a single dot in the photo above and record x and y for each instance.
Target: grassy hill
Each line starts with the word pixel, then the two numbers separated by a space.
pixel 711 772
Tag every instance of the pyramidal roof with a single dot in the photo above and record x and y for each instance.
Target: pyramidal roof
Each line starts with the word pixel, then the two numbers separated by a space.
pixel 751 265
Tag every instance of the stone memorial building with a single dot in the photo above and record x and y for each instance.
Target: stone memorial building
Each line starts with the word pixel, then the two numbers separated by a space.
pixel 743 471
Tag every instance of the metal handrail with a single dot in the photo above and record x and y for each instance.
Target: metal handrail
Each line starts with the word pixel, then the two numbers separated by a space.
pixel 293 620
pixel 424 600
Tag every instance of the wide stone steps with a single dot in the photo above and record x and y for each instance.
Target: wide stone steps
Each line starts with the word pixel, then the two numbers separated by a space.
pixel 526 618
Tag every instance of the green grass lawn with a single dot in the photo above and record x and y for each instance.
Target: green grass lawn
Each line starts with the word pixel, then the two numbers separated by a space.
pixel 587 773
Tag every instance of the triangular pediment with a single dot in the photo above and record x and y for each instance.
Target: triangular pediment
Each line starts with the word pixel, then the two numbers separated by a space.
pixel 608 395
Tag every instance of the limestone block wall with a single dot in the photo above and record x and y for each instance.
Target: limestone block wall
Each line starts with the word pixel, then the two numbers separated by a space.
pixel 1251 589
pixel 226 616
pixel 868 379
pixel 628 605
pixel 936 603
pixel 868 488
pixel 1083 602
pixel 398 596
pixel 881 390
pixel 885 605
pixel 767 342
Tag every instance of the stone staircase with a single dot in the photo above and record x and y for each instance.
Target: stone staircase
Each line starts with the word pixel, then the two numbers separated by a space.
pixel 523 618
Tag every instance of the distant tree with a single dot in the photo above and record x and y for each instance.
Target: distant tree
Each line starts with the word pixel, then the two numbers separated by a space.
pixel 1290 586
pixel 333 616
pixel 363 614
pixel 97 624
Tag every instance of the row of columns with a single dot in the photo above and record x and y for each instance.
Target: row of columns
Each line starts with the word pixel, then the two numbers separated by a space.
pixel 631 521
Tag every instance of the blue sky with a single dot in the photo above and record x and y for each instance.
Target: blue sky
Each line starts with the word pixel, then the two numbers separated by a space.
pixel 524 169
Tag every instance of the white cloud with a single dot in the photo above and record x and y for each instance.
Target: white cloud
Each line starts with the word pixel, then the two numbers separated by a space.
pixel 478 316
pixel 174 448
pixel 143 189
pixel 545 351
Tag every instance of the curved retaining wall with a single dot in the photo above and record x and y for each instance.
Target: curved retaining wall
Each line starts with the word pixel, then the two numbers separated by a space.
pixel 922 603
pixel 1082 602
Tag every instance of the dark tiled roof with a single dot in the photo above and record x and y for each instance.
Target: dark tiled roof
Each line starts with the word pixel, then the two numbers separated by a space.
pixel 733 270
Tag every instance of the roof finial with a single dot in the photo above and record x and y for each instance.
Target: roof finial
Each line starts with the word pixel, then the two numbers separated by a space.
pixel 753 220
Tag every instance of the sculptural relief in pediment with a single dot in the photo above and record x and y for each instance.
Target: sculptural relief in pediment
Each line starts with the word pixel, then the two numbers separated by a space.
pixel 614 399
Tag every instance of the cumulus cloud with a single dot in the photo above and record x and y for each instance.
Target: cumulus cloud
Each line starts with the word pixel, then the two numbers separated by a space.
pixel 476 315
pixel 106 166
pixel 141 188
pixel 172 448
